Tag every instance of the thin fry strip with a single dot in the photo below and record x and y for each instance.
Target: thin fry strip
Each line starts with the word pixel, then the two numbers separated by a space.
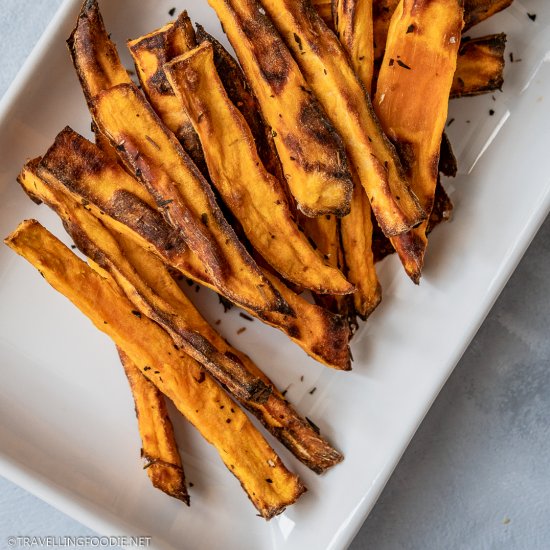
pixel 480 65
pixel 328 72
pixel 311 152
pixel 125 206
pixel 269 485
pixel 253 195
pixel 159 447
pixel 150 53
pixel 412 101
pixel 354 29
pixel 356 229
pixel 95 240
pixel 276 413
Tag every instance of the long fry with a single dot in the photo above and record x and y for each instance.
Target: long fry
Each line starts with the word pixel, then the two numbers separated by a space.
pixel 269 485
pixel 276 413
pixel 311 152
pixel 412 100
pixel 254 196
pixel 95 240
pixel 150 52
pixel 328 72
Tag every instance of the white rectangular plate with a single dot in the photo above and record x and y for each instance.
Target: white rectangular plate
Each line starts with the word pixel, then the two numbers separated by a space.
pixel 67 426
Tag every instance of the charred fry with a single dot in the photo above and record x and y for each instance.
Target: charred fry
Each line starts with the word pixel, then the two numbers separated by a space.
pixel 479 66
pixel 150 52
pixel 185 198
pixel 476 11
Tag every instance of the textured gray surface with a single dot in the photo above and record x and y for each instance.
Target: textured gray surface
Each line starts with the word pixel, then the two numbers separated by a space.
pixel 476 475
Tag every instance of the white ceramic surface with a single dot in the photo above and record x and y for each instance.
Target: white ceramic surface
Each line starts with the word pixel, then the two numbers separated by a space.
pixel 67 430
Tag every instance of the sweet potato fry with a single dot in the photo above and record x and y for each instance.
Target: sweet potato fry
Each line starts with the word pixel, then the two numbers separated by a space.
pixel 325 10
pixel 148 283
pixel 94 55
pixel 159 447
pixel 412 100
pixel 328 72
pixel 125 206
pixel 241 96
pixel 186 199
pixel 311 152
pixel 354 29
pixel 356 229
pixel 276 414
pixel 149 53
pixel 254 196
pixel 476 11
pixel 269 485
pixel 479 66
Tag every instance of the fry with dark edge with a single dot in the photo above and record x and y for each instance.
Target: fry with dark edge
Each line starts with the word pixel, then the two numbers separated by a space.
pixel 325 10
pixel 95 58
pixel 328 72
pixel 476 11
pixel 186 200
pixel 94 55
pixel 150 53
pixel 354 28
pixel 159 447
pixel 412 99
pixel 95 240
pixel 253 195
pixel 269 485
pixel 480 66
pixel 311 152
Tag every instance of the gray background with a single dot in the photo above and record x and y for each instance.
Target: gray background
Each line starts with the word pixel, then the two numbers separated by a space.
pixel 476 475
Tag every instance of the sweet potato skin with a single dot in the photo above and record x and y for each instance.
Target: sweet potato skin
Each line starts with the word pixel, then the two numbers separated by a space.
pixel 269 485
pixel 412 101
pixel 310 150
pixel 328 72
pixel 253 195
pixel 480 66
